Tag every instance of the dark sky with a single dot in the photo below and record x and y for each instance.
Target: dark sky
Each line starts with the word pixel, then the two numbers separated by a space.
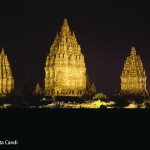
pixel 105 30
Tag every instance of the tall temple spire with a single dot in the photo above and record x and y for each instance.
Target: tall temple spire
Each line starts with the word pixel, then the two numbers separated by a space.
pixel 133 51
pixel 133 77
pixel 6 78
pixel 65 71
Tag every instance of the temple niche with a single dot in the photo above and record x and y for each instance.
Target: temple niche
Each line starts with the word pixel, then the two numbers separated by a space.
pixel 65 71
pixel 6 78
pixel 133 77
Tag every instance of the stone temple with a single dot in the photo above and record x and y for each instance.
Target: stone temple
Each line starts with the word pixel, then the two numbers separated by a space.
pixel 6 78
pixel 65 71
pixel 133 77
pixel 38 90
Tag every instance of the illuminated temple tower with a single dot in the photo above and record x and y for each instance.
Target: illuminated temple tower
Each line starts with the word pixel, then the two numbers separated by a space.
pixel 65 71
pixel 133 77
pixel 6 78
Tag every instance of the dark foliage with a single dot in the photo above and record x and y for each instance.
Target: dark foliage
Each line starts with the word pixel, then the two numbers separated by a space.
pixel 69 99
pixel 15 100
pixel 147 104
pixel 103 106
pixel 122 100
pixel 28 89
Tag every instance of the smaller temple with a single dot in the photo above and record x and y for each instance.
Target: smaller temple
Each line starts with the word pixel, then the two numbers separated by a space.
pixel 6 78
pixel 93 88
pixel 90 88
pixel 133 77
pixel 38 90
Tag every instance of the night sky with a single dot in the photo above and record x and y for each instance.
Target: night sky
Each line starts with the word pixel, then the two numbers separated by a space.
pixel 106 31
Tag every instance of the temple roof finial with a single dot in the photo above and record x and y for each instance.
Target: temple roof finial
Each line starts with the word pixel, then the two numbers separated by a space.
pixel 65 22
pixel 2 52
pixel 133 51
pixel 73 34
pixel 65 26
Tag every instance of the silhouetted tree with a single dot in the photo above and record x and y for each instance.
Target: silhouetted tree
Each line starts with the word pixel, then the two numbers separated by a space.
pixel 121 101
pixel 28 89
pixel 102 97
